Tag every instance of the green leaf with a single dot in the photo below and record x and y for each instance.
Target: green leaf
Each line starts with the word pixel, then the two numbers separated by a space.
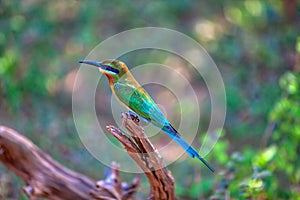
pixel 256 184
pixel 266 156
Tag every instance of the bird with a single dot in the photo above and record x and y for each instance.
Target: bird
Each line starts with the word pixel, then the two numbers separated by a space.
pixel 133 96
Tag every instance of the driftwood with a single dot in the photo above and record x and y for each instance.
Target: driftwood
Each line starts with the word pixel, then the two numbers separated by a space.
pixel 45 178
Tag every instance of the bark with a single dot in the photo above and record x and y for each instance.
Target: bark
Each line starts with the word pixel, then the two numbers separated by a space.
pixel 45 178
pixel 146 156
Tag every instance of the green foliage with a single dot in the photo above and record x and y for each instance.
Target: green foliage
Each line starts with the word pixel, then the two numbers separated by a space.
pixel 255 43
pixel 10 86
pixel 286 115
pixel 272 172
pixel 265 156
pixel 241 179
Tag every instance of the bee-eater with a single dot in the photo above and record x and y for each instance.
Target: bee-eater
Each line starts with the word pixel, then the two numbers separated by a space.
pixel 132 96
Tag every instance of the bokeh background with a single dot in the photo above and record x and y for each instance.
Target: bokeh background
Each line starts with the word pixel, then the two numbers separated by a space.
pixel 255 44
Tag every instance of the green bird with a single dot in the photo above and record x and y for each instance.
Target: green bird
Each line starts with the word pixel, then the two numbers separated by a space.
pixel 132 96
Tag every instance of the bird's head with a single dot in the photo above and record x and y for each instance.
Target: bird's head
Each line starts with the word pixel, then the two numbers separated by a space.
pixel 113 69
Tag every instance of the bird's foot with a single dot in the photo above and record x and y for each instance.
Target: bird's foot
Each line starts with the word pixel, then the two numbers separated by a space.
pixel 143 121
pixel 134 116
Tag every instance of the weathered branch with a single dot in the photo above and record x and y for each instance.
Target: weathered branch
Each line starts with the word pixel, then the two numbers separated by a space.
pixel 46 178
pixel 146 156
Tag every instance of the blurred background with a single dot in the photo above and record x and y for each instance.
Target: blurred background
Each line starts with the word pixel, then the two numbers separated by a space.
pixel 255 44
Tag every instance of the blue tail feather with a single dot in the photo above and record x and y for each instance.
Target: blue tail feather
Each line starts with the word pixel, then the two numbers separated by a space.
pixel 192 151
pixel 189 149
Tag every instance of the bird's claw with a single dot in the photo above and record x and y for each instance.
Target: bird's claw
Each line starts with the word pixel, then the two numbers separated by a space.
pixel 134 116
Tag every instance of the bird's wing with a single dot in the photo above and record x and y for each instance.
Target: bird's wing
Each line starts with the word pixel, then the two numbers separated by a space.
pixel 138 100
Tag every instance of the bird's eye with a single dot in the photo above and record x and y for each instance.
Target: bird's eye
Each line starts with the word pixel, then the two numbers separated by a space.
pixel 109 68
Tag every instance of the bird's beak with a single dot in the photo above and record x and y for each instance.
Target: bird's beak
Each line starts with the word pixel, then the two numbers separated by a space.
pixel 94 63
pixel 105 69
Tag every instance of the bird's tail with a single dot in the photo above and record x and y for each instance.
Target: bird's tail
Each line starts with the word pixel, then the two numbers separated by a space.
pixel 191 151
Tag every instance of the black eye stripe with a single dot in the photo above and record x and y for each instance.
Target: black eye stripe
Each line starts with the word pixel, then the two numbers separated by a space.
pixel 109 68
